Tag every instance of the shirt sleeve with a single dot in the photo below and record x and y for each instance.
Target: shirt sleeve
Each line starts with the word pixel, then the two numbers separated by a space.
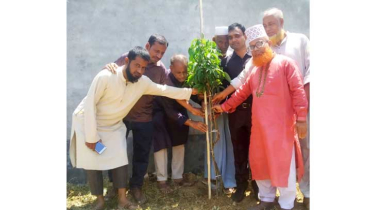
pixel 242 77
pixel 237 98
pixel 94 95
pixel 168 106
pixel 168 91
pixel 306 60
pixel 295 83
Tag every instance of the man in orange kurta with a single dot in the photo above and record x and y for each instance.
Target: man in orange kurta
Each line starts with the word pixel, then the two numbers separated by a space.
pixel 278 120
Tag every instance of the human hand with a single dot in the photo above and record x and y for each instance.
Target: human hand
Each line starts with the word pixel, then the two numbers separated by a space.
pixel 198 126
pixel 111 67
pixel 217 108
pixel 92 146
pixel 194 91
pixel 302 129
pixel 218 97
pixel 197 112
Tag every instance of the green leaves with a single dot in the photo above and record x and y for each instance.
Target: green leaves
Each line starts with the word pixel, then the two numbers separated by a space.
pixel 204 69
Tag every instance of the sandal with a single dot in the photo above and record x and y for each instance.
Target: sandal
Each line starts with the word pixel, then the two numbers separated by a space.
pixel 164 188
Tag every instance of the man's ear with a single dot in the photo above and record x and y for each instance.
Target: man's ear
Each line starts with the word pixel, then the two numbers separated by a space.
pixel 147 46
pixel 214 39
pixel 126 60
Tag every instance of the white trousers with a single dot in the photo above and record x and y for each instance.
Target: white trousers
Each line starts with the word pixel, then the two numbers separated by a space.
pixel 287 194
pixel 177 163
pixel 304 144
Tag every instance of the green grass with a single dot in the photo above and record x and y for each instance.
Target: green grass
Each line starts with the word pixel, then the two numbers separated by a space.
pixel 187 198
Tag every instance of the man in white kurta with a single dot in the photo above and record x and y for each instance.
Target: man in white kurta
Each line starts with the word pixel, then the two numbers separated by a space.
pixel 99 115
pixel 295 46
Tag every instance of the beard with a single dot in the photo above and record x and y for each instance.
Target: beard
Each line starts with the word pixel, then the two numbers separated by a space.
pixel 264 58
pixel 130 77
pixel 277 38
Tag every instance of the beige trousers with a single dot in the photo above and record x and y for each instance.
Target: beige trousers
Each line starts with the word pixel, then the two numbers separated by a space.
pixel 177 163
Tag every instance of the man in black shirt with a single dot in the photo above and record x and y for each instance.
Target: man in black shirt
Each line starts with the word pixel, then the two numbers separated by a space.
pixel 240 126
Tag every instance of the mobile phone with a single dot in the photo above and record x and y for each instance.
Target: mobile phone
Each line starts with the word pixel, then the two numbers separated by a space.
pixel 100 147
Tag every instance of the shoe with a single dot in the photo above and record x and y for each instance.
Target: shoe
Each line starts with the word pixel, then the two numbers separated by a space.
pixel 263 206
pixel 306 202
pixel 239 194
pixel 138 195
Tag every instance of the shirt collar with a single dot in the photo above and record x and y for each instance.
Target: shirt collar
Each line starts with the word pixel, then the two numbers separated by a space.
pixel 120 74
pixel 285 38
pixel 156 64
pixel 236 55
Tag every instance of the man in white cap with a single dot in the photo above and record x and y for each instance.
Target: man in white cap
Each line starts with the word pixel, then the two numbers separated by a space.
pixel 221 38
pixel 223 149
pixel 295 46
pixel 279 115
pixel 240 127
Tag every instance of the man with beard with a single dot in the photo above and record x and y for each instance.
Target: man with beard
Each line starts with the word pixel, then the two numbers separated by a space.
pixel 139 119
pixel 279 113
pixel 98 118
pixel 295 46
pixel 240 126
pixel 171 126
pixel 223 149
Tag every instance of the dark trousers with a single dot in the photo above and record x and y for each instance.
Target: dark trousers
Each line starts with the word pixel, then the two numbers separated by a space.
pixel 240 130
pixel 142 142
pixel 95 179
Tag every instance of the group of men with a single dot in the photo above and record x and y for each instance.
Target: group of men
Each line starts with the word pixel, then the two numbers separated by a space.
pixel 267 116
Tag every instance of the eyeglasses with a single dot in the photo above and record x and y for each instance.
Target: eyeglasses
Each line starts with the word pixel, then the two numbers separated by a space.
pixel 259 44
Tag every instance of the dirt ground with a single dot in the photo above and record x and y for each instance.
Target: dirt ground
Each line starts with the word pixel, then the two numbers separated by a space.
pixel 187 198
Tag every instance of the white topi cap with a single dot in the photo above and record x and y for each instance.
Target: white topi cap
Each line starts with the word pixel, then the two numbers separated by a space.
pixel 254 32
pixel 221 31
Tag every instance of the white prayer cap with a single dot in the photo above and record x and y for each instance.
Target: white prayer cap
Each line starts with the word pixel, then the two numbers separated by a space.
pixel 221 31
pixel 254 32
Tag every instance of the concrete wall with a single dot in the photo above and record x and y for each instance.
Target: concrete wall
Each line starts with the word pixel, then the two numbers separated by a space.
pixel 98 32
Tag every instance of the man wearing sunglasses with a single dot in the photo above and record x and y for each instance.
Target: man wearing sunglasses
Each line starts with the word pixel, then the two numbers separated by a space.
pixel 295 46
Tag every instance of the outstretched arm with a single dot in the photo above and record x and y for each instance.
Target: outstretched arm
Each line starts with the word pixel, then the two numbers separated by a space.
pixel 235 83
pixel 237 98
pixel 190 108
pixel 168 91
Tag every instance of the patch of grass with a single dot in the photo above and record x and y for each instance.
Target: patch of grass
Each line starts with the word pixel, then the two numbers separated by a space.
pixel 186 198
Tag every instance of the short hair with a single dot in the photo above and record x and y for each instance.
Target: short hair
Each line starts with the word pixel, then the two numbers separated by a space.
pixel 275 12
pixel 179 57
pixel 234 25
pixel 139 51
pixel 157 38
